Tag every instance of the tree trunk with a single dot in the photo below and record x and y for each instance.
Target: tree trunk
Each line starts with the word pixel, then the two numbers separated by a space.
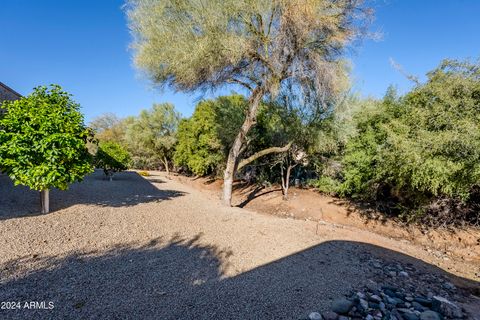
pixel 45 201
pixel 286 178
pixel 287 182
pixel 165 162
pixel 235 150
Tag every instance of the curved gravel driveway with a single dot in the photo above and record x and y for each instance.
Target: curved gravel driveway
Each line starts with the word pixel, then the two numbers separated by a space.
pixel 138 249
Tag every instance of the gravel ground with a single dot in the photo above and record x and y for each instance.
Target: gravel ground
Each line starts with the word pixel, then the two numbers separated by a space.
pixel 138 249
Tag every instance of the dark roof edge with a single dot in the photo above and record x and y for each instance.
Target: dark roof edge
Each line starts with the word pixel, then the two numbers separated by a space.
pixel 10 89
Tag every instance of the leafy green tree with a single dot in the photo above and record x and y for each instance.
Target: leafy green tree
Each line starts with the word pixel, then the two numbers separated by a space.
pixel 151 137
pixel 264 46
pixel 112 157
pixel 205 138
pixel 43 141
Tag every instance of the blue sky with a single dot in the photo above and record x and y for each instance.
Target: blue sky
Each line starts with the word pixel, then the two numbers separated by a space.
pixel 83 46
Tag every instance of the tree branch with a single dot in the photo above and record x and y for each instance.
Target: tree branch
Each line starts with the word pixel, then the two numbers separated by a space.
pixel 262 153
pixel 242 83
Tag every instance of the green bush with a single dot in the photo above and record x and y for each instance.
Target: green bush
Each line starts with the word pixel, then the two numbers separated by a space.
pixel 421 147
pixel 112 157
pixel 326 185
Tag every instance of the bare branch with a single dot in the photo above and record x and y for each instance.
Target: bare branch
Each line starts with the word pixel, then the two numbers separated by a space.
pixel 262 153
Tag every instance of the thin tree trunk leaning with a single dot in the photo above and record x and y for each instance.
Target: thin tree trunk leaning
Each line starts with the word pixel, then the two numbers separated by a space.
pixel 165 163
pixel 45 201
pixel 262 153
pixel 235 150
pixel 286 181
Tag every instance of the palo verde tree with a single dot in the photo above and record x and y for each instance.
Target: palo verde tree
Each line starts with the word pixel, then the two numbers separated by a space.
pixel 43 141
pixel 109 127
pixel 151 136
pixel 263 45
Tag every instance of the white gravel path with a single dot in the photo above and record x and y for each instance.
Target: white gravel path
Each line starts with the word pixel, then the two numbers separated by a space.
pixel 133 249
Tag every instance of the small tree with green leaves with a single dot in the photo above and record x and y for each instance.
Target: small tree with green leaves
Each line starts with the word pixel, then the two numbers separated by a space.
pixel 43 141
pixel 112 157
pixel 151 137
pixel 205 138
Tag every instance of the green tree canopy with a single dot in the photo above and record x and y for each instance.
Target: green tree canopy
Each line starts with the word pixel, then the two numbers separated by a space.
pixel 43 140
pixel 151 137
pixel 112 157
pixel 205 138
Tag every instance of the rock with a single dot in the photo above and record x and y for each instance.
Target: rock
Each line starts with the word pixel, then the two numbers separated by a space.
pixel 363 304
pixel 392 301
pixel 372 285
pixel 410 316
pixel 391 288
pixel 389 293
pixel 392 273
pixel 342 306
pixel 449 286
pixel 430 315
pixel 382 307
pixel 315 316
pixel 423 301
pixel 374 305
pixel 343 318
pixel 329 315
pixel 403 274
pixel 418 306
pixel 409 299
pixel 400 295
pixel 395 301
pixel 375 298
pixel 361 295
pixel 446 307
pixel 369 317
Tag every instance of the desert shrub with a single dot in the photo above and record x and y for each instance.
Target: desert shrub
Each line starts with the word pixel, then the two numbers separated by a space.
pixel 112 157
pixel 326 185
pixel 422 147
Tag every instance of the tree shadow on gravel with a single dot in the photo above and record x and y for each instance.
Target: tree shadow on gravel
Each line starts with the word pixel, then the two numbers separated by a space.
pixel 185 279
pixel 127 189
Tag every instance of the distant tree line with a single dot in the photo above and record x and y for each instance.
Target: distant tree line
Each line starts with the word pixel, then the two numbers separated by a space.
pixel 414 156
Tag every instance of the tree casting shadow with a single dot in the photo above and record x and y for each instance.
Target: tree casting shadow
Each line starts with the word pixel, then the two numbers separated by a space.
pixel 184 279
pixel 127 189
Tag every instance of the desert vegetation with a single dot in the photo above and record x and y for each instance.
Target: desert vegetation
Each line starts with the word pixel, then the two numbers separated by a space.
pixel 413 156
pixel 346 206
pixel 295 118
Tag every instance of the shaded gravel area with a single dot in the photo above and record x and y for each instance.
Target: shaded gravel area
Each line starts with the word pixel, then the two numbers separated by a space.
pixel 157 249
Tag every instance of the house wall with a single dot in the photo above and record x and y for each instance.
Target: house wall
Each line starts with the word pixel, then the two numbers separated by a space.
pixel 7 94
